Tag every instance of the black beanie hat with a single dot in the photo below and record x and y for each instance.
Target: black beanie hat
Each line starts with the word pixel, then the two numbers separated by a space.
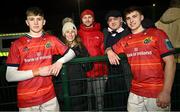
pixel 113 13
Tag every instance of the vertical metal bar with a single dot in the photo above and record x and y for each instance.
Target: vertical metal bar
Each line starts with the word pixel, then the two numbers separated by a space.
pixel 65 88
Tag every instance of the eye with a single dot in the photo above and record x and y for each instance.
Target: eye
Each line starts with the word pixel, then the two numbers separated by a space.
pixel 72 31
pixel 30 19
pixel 134 16
pixel 39 19
pixel 67 31
pixel 127 18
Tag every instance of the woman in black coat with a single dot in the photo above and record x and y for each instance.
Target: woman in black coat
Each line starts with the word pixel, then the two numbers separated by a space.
pixel 76 72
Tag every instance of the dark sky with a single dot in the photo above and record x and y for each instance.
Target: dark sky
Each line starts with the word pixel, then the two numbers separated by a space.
pixel 13 14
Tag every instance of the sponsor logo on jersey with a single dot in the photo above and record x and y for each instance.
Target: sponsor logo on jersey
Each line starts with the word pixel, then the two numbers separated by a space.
pixel 28 60
pixel 48 45
pixel 140 53
pixel 25 49
pixel 147 40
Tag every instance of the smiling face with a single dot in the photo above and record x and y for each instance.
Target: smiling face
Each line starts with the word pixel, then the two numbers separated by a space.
pixel 133 20
pixel 114 22
pixel 88 20
pixel 70 35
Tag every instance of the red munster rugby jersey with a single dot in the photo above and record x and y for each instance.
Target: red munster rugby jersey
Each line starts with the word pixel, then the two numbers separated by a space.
pixel 31 53
pixel 145 51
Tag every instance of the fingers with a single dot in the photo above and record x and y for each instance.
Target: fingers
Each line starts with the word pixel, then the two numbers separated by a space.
pixel 55 68
pixel 50 70
pixel 54 71
pixel 114 60
pixel 161 103
pixel 117 60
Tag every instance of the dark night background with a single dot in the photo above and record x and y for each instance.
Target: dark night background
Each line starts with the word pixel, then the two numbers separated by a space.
pixel 13 11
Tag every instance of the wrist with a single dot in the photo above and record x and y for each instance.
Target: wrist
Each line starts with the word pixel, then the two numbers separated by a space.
pixel 108 49
pixel 35 72
pixel 60 61
pixel 166 91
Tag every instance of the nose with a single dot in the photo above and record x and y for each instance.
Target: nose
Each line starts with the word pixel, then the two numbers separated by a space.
pixel 131 20
pixel 70 33
pixel 35 21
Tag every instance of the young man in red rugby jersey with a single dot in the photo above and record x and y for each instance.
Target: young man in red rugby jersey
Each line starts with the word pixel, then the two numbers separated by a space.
pixel 150 55
pixel 30 63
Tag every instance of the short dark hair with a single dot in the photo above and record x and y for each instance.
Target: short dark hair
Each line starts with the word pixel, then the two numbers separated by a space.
pixel 34 11
pixel 131 9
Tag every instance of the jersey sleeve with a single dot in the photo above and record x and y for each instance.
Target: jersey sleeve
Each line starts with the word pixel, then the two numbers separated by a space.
pixel 59 47
pixel 164 44
pixel 13 58
pixel 118 48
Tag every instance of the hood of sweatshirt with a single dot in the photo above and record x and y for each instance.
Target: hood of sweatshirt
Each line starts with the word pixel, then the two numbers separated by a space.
pixel 170 15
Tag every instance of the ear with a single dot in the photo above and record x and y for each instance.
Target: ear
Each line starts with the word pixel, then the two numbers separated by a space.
pixel 44 22
pixel 27 23
pixel 142 17
pixel 107 22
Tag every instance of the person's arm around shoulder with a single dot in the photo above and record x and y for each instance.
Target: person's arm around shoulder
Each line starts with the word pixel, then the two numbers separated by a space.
pixel 112 56
pixel 56 67
pixel 164 97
